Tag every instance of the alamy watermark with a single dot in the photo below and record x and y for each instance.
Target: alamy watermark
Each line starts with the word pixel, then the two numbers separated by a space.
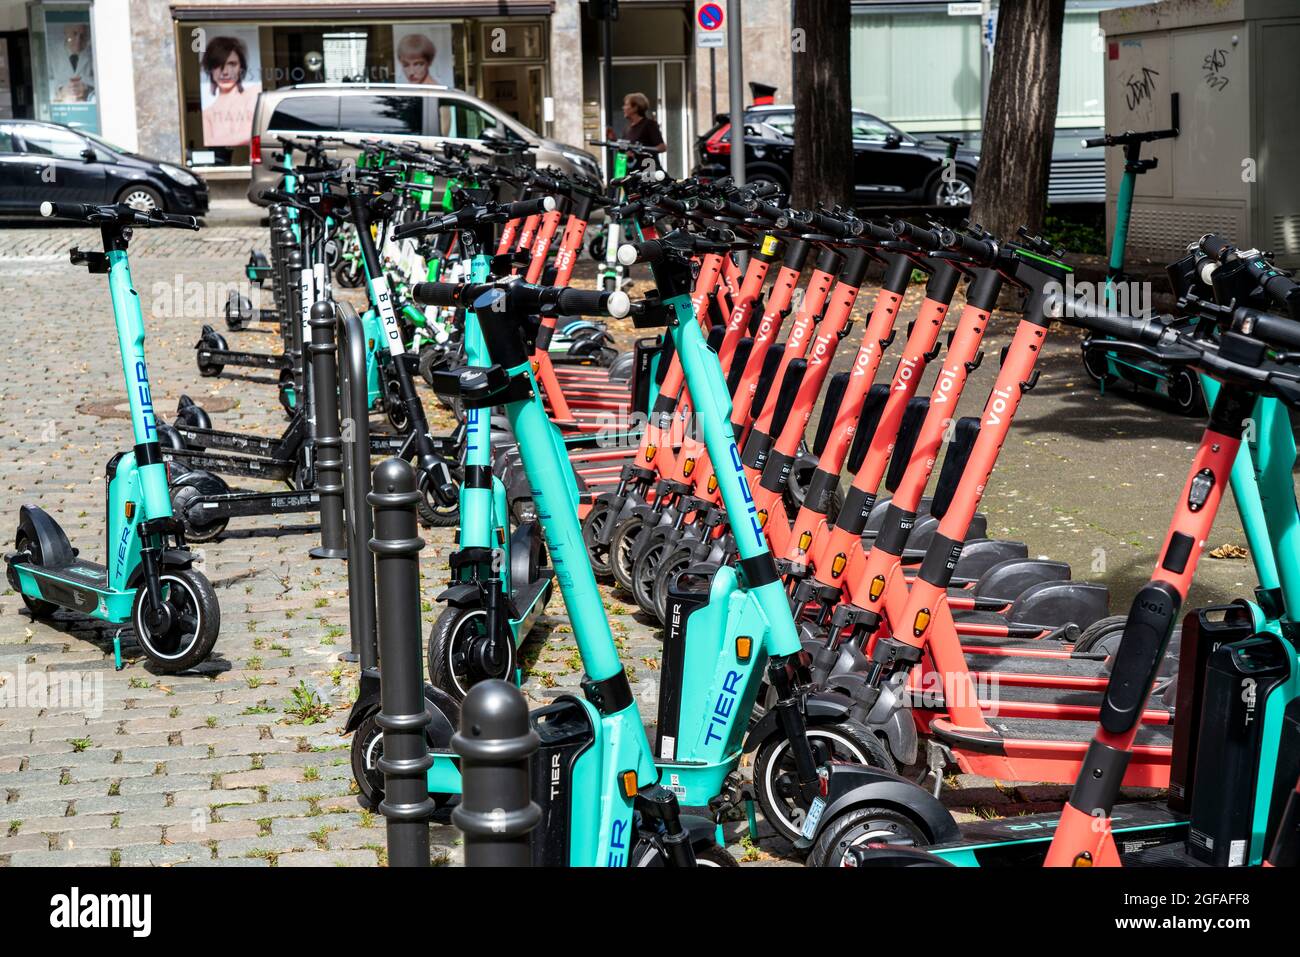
pixel 64 690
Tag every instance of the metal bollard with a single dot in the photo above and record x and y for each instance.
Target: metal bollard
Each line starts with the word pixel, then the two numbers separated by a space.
pixel 329 443
pixel 403 716
pixel 495 742
pixel 356 456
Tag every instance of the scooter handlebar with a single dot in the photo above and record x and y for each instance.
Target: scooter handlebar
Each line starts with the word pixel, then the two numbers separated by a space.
pixel 119 213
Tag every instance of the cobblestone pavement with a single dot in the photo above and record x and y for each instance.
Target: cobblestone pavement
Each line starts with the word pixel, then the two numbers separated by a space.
pixel 244 763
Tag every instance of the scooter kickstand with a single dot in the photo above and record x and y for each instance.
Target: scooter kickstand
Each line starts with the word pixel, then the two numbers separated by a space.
pixel 117 650
pixel 937 757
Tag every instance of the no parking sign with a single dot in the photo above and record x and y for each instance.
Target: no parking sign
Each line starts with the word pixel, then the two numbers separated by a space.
pixel 708 26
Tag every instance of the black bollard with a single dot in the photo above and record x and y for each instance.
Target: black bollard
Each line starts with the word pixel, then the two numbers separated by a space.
pixel 356 457
pixel 405 761
pixel 495 742
pixel 329 443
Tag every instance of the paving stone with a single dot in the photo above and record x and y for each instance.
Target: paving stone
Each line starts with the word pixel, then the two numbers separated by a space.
pixel 351 858
pixel 81 857
pixel 117 837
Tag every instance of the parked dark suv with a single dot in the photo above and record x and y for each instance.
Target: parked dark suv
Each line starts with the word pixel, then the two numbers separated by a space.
pixel 890 167
pixel 46 161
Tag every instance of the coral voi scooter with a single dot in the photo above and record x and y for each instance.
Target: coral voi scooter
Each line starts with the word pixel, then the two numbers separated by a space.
pixel 148 580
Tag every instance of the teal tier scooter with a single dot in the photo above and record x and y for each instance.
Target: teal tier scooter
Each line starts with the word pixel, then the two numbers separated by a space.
pixel 148 581
pixel 500 578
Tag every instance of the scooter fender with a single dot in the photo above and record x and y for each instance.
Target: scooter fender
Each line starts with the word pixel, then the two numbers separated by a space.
pixel 819 706
pixel 367 700
pixel 55 548
pixel 463 595
pixel 851 786
pixel 1008 579
pixel 899 728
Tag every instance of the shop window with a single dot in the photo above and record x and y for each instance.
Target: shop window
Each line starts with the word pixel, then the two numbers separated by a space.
pixel 52 141
pixel 306 114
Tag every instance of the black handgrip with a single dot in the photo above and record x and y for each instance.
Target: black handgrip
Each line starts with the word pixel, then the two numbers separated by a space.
pixel 925 238
pixel 1278 331
pixel 835 226
pixel 1215 247
pixel 982 251
pixel 318 175
pixel 1094 141
pixel 649 251
pixel 278 196
pixel 592 302
pixel 434 224
pixel 440 293
pixel 524 208
pixel 1100 319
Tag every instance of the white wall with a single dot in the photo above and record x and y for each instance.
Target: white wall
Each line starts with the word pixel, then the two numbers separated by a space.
pixel 115 78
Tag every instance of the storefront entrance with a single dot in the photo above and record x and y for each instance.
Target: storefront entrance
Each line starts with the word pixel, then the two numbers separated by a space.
pixel 663 81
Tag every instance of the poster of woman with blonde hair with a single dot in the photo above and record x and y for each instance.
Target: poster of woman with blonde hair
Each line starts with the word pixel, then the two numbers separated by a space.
pixel 423 54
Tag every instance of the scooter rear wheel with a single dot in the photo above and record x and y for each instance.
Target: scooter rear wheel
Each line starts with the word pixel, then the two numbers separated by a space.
pixel 39 607
pixel 368 748
pixel 774 768
pixel 210 367
pixel 194 621
pixel 191 486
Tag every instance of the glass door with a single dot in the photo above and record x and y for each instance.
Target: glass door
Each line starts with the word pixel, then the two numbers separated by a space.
pixel 663 81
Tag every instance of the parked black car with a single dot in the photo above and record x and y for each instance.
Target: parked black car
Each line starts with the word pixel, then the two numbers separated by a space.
pixel 890 167
pixel 46 161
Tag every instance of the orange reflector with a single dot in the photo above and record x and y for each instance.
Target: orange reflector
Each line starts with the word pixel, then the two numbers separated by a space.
pixel 1082 860
pixel 628 780
pixel 713 484
pixel 130 510
pixel 837 565
pixel 762 518
pixel 744 648
pixel 877 587
pixel 650 451
pixel 921 622
pixel 805 539
pixel 688 467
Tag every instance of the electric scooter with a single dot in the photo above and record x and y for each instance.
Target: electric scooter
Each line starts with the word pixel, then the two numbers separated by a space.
pixel 1178 384
pixel 149 580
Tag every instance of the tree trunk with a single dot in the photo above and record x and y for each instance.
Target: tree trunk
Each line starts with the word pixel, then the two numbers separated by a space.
pixel 1011 186
pixel 823 127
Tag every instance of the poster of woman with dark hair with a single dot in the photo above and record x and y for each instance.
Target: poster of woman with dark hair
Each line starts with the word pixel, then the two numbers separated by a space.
pixel 230 80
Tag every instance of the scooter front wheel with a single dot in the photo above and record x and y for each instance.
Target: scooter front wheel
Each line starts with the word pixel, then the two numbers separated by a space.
pixel 866 826
pixel 774 769
pixel 593 529
pixel 458 654
pixel 659 544
pixel 623 548
pixel 680 559
pixel 183 634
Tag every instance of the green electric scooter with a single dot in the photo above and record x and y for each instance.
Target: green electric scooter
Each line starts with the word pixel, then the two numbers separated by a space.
pixel 148 580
